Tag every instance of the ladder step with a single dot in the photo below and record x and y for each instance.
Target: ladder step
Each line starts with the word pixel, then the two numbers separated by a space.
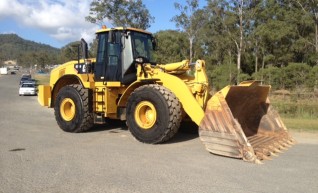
pixel 99 103
pixel 99 119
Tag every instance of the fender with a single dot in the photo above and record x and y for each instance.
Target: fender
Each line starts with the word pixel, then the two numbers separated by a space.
pixel 62 82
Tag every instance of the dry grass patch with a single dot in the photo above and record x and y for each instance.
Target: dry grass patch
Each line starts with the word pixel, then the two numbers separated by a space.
pixel 42 78
pixel 301 124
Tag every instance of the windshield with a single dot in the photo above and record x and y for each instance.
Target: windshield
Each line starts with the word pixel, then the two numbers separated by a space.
pixel 142 45
pixel 28 85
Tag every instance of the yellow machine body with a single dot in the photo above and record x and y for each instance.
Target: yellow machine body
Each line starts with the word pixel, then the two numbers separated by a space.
pixel 192 91
pixel 238 121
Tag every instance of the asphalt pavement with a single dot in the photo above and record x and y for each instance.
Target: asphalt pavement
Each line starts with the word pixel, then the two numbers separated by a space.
pixel 36 156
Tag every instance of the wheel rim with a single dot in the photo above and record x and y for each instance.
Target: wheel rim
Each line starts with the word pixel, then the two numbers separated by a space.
pixel 145 115
pixel 67 109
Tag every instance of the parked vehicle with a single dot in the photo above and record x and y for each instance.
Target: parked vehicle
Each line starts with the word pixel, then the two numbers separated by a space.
pixel 4 70
pixel 26 78
pixel 27 88
pixel 23 80
pixel 30 81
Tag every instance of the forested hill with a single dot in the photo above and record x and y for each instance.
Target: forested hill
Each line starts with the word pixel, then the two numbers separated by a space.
pixel 13 47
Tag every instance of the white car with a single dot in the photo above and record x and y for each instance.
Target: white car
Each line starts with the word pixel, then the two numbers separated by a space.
pixel 27 89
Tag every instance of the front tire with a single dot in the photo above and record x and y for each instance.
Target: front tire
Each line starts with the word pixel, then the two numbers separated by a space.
pixel 153 114
pixel 73 109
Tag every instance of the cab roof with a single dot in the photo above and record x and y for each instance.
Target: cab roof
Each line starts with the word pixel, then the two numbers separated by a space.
pixel 122 29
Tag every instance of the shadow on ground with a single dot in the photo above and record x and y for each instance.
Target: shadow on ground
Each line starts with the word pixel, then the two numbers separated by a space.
pixel 187 131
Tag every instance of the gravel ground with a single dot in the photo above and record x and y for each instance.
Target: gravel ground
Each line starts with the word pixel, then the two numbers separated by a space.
pixel 37 156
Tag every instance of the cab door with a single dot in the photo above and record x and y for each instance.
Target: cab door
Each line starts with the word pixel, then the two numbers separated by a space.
pixel 108 61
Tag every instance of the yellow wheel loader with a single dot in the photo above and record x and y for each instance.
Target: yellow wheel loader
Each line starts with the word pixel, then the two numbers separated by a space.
pixel 123 82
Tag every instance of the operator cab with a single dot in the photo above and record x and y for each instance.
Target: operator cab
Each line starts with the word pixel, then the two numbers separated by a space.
pixel 117 50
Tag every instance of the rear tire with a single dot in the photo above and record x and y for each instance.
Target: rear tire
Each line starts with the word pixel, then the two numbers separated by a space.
pixel 73 109
pixel 153 114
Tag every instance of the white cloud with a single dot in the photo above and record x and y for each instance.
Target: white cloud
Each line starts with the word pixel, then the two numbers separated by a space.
pixel 62 20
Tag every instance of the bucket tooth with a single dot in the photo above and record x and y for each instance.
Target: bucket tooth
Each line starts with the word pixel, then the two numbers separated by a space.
pixel 284 148
pixel 277 150
pixel 258 161
pixel 262 156
pixel 266 151
pixel 273 154
pixel 277 145
pixel 259 155
pixel 272 149
pixel 286 145
pixel 265 157
pixel 281 146
pixel 292 142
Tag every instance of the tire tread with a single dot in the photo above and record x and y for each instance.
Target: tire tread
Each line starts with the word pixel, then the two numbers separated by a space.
pixel 87 121
pixel 174 110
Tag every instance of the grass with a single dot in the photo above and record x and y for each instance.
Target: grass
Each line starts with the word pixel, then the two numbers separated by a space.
pixel 299 114
pixel 42 78
pixel 301 124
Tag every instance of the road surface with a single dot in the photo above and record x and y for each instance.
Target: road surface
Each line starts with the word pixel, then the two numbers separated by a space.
pixel 37 156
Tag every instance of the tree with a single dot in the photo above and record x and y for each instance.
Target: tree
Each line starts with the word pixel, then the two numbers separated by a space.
pixel 42 59
pixel 310 8
pixel 190 20
pixel 296 75
pixel 271 75
pixel 312 80
pixel 224 75
pixel 234 21
pixel 13 47
pixel 217 46
pixel 275 32
pixel 239 6
pixel 132 13
pixel 172 46
pixel 93 48
pixel 70 51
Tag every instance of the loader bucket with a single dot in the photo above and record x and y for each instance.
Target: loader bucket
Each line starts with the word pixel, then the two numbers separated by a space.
pixel 239 122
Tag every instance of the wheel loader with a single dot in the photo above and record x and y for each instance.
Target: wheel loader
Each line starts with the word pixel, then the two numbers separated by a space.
pixel 123 82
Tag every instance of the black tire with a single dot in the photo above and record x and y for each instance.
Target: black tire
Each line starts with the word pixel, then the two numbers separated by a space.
pixel 79 100
pixel 167 109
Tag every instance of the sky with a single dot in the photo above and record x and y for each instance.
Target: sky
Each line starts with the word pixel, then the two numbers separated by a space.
pixel 58 22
